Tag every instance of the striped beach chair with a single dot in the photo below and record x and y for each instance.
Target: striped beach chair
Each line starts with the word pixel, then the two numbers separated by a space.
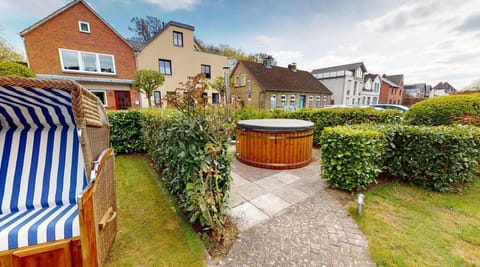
pixel 57 190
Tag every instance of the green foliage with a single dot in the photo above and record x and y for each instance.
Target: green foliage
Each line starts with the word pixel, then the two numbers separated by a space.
pixel 351 158
pixel 328 117
pixel 126 131
pixel 147 81
pixel 439 110
pixel 190 147
pixel 249 114
pixel 7 53
pixel 439 158
pixel 15 69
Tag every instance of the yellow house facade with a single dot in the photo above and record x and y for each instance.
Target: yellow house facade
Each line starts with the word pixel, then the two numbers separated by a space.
pixel 176 55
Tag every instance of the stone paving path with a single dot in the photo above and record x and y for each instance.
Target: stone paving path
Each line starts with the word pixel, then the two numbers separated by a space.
pixel 286 218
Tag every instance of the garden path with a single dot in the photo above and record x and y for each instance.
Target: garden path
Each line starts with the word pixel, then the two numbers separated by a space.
pixel 287 218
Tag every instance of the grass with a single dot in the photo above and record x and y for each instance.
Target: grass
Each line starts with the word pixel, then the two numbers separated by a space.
pixel 409 226
pixel 150 230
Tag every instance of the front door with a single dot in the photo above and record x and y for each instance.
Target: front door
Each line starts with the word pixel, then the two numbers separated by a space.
pixel 301 102
pixel 122 99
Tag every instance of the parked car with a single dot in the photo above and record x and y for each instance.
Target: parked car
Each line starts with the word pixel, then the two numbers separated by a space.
pixel 391 106
pixel 287 108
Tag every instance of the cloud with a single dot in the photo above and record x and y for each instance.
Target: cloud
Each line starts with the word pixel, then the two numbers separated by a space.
pixel 169 5
pixel 12 9
pixel 472 23
pixel 414 14
pixel 264 39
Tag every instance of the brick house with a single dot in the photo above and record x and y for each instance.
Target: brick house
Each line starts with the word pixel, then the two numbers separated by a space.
pixel 75 43
pixel 269 86
pixel 392 89
pixel 174 52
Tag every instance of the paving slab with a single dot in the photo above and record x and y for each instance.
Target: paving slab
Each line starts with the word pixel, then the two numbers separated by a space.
pixel 291 195
pixel 270 203
pixel 247 215
pixel 250 191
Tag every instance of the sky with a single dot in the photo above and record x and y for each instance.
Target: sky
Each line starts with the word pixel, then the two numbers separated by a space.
pixel 428 41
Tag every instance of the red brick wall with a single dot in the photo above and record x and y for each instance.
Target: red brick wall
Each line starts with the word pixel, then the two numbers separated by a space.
pixel 62 31
pixel 389 96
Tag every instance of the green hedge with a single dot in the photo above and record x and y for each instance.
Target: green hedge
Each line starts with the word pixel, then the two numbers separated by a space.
pixel 351 158
pixel 126 131
pixel 328 117
pixel 193 157
pixel 439 158
pixel 439 110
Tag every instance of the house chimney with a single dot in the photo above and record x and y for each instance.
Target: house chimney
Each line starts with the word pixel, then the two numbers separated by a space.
pixel 267 62
pixel 293 66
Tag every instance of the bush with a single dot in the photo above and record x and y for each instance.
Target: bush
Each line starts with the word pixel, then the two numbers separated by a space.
pixel 438 158
pixel 249 114
pixel 328 117
pixel 351 158
pixel 190 147
pixel 15 69
pixel 126 134
pixel 439 110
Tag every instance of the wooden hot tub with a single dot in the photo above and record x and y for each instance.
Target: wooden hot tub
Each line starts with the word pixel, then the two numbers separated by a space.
pixel 274 143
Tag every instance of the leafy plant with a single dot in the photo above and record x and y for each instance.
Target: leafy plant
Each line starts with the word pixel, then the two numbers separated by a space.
pixel 15 69
pixel 351 158
pixel 439 110
pixel 126 131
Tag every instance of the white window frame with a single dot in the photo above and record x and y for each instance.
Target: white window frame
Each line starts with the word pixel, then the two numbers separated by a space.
pixel 283 100
pixel 237 81
pixel 80 26
pixel 243 79
pixel 104 95
pixel 293 98
pixel 319 102
pixel 81 64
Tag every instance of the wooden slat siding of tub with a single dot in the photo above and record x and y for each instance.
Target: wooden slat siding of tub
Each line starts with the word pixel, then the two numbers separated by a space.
pixel 274 150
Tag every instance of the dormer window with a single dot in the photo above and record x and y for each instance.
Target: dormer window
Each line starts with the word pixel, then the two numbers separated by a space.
pixel 84 26
pixel 177 38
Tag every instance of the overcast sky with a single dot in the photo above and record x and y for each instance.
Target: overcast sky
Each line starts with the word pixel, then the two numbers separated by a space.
pixel 426 40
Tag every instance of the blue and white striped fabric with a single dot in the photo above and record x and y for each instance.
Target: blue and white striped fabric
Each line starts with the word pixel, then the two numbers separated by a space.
pixel 41 167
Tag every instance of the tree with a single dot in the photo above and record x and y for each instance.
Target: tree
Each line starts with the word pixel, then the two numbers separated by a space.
pixel 145 28
pixel 8 53
pixel 15 69
pixel 146 81
pixel 237 54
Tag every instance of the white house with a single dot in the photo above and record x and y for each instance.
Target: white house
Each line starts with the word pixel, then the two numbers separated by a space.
pixel 345 82
pixel 371 89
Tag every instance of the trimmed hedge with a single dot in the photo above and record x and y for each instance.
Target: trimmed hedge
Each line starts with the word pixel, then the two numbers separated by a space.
pixel 438 158
pixel 328 117
pixel 441 158
pixel 439 110
pixel 351 158
pixel 126 131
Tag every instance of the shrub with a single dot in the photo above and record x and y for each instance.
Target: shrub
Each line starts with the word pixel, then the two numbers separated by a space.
pixel 126 131
pixel 249 114
pixel 351 158
pixel 15 69
pixel 190 147
pixel 328 117
pixel 438 158
pixel 439 110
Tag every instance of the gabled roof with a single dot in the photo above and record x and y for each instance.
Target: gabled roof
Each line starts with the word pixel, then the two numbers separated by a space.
pixel 444 85
pixel 137 45
pixel 164 28
pixel 397 79
pixel 389 82
pixel 371 77
pixel 67 6
pixel 351 66
pixel 284 79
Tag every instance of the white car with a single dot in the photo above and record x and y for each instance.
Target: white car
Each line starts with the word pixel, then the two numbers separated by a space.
pixel 391 106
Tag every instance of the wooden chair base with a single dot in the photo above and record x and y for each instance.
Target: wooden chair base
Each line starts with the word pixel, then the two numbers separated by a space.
pixel 65 252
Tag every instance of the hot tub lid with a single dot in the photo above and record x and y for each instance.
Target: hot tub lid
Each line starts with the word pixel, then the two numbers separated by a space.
pixel 275 125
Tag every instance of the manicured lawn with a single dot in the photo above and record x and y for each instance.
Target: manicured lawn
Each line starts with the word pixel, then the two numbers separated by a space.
pixel 408 226
pixel 150 231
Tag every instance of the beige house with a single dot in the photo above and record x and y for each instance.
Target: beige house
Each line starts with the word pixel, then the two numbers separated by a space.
pixel 263 86
pixel 177 56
